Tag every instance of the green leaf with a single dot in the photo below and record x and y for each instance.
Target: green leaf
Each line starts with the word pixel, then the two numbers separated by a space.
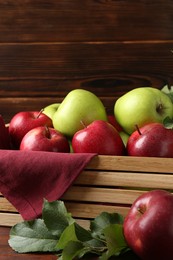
pixel 97 246
pixel 76 233
pixel 74 249
pixel 58 232
pixel 168 123
pixel 105 219
pixel 73 232
pixel 168 91
pixel 67 235
pixel 82 234
pixel 115 241
pixel 32 236
pixel 56 217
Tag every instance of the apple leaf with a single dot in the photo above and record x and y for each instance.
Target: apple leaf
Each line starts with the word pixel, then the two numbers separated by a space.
pixel 67 236
pixel 168 123
pixel 76 233
pixel 73 249
pixel 58 232
pixel 73 232
pixel 56 217
pixel 105 219
pixel 32 236
pixel 168 91
pixel 115 241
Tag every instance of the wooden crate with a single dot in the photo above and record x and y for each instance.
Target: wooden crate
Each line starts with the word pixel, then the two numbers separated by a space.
pixel 48 48
pixel 109 183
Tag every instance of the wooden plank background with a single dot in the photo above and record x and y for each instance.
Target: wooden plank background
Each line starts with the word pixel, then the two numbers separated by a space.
pixel 49 47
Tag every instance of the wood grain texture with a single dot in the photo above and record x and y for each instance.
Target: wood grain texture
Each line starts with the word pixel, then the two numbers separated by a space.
pixel 126 179
pixel 89 20
pixel 9 219
pixel 87 65
pixel 134 164
pixel 48 48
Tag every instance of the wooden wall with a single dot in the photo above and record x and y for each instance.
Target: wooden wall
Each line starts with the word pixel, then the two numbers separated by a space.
pixel 49 47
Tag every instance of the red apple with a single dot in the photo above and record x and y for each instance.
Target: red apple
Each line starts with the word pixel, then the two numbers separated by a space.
pixel 4 135
pixel 151 140
pixel 148 226
pixel 98 137
pixel 112 120
pixel 44 138
pixel 23 122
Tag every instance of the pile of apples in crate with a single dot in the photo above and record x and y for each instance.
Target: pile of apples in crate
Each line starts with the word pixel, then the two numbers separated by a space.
pixel 140 125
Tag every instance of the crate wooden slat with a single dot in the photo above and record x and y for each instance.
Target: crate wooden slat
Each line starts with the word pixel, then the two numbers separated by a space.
pixel 9 219
pixel 130 179
pixel 109 183
pixel 135 164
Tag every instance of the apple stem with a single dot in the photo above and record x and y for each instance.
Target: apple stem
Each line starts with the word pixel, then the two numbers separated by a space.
pixel 159 109
pixel 82 123
pixel 141 209
pixel 47 132
pixel 40 112
pixel 137 128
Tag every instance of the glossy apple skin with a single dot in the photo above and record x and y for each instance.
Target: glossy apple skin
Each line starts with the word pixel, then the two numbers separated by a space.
pixel 154 140
pixel 44 138
pixel 78 107
pixel 51 109
pixel 112 120
pixel 99 137
pixel 141 106
pixel 148 226
pixel 23 122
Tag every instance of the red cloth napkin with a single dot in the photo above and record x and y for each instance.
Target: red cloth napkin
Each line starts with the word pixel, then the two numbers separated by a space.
pixel 27 177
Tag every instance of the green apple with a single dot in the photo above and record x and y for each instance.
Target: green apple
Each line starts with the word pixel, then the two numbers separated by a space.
pixel 51 109
pixel 70 144
pixel 141 106
pixel 78 109
pixel 124 137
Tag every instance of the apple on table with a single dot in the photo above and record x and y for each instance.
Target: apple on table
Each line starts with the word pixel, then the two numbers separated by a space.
pixel 148 226
pixel 141 106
